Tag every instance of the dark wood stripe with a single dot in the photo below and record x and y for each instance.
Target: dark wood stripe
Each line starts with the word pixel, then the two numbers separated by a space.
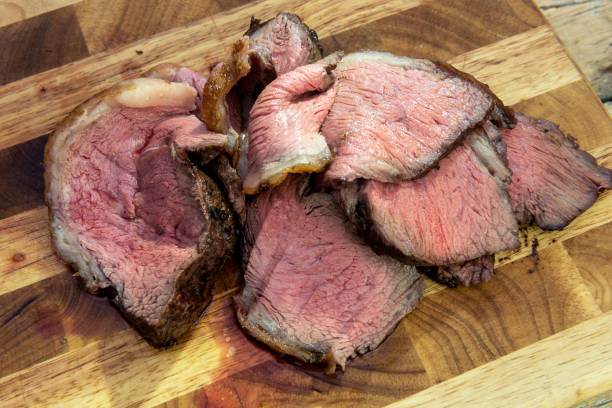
pixel 105 27
pixel 54 316
pixel 284 383
pixel 40 43
pixel 440 30
pixel 21 184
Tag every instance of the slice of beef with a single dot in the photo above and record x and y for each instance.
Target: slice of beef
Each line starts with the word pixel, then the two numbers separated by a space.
pixel 394 117
pixel 312 289
pixel 454 214
pixel 283 43
pixel 130 213
pixel 553 181
pixel 284 125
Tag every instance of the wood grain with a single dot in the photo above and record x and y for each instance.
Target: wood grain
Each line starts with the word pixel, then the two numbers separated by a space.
pixel 26 254
pixel 591 254
pixel 569 366
pixel 21 187
pixel 532 63
pixel 63 90
pixel 18 10
pixel 586 28
pixel 439 30
pixel 587 121
pixel 40 43
pixel 448 334
pixel 86 376
pixel 105 27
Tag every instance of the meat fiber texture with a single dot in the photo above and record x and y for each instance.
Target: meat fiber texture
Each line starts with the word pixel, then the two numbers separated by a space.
pixel 267 50
pixel 454 214
pixel 128 210
pixel 394 117
pixel 553 181
pixel 283 43
pixel 283 130
pixel 312 289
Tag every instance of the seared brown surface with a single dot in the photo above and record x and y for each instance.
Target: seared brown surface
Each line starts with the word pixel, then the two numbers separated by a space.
pixel 62 346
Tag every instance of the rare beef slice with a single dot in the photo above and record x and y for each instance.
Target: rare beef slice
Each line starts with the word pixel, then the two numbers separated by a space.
pixel 128 210
pixel 312 289
pixel 453 215
pixel 553 181
pixel 394 117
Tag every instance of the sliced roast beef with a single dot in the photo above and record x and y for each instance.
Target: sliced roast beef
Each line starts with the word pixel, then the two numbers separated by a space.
pixel 312 289
pixel 283 43
pixel 553 181
pixel 130 213
pixel 454 214
pixel 393 117
pixel 284 125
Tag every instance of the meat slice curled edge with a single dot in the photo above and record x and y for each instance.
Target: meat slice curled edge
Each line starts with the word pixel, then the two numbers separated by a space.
pixel 283 130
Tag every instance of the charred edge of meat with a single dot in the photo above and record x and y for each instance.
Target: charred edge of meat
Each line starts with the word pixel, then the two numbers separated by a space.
pixel 433 272
pixel 500 114
pixel 253 25
pixel 226 177
pixel 220 82
pixel 309 353
pixel 193 286
pixel 467 273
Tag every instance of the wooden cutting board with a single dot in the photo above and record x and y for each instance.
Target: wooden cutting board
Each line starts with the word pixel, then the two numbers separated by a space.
pixel 538 334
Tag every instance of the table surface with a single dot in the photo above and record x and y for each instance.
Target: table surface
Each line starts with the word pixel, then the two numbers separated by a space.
pixel 545 317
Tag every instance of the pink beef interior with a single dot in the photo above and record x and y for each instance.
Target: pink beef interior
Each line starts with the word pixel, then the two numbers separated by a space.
pixel 388 123
pixel 284 40
pixel 552 180
pixel 449 216
pixel 284 126
pixel 134 206
pixel 316 281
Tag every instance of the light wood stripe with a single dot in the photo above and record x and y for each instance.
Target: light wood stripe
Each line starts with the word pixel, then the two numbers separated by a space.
pixel 27 112
pixel 28 233
pixel 26 255
pixel 19 10
pixel 565 368
pixel 522 66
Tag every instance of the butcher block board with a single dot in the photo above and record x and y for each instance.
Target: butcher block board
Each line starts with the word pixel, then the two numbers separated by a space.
pixel 538 334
